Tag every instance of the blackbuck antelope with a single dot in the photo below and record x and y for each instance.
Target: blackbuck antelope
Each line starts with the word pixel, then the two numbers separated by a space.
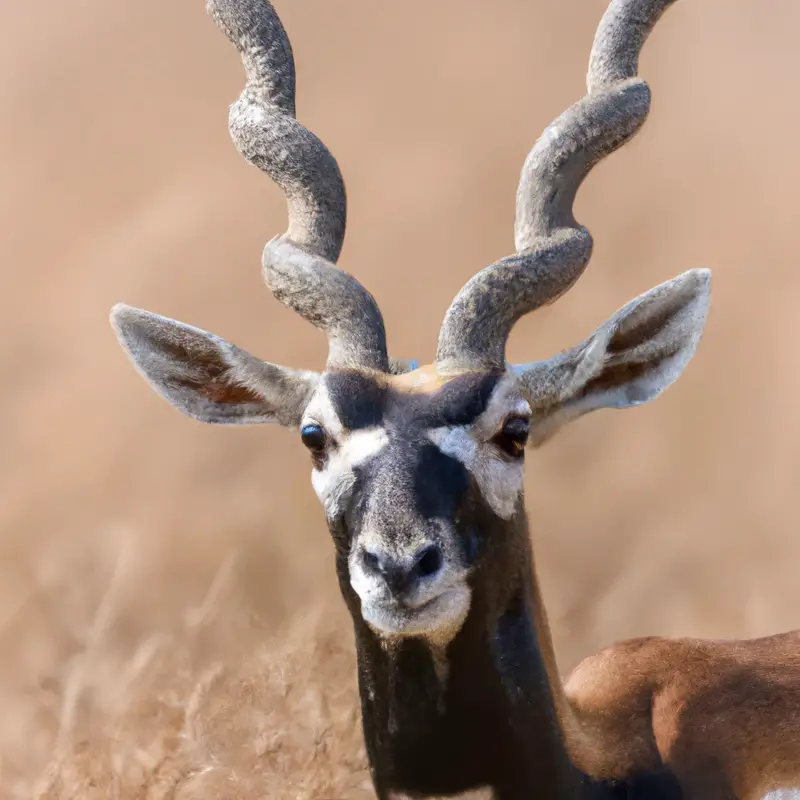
pixel 420 473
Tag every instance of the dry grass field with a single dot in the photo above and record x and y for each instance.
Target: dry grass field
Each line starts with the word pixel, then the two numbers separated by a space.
pixel 170 625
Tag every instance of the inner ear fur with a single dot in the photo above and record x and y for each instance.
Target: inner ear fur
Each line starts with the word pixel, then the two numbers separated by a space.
pixel 629 360
pixel 207 378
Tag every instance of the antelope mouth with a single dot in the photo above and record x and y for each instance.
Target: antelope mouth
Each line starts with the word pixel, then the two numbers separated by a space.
pixel 439 616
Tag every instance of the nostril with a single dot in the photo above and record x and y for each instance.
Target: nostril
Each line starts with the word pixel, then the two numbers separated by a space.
pixel 429 561
pixel 371 561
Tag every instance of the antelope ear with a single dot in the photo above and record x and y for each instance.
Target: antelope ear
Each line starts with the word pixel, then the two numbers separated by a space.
pixel 629 360
pixel 207 378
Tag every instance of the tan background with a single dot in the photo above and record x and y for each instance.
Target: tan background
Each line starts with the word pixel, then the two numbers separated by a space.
pixel 169 619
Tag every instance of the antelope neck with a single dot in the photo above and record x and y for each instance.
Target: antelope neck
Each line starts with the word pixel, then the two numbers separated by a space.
pixel 480 711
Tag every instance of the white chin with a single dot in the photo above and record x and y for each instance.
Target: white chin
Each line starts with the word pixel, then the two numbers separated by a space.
pixel 441 617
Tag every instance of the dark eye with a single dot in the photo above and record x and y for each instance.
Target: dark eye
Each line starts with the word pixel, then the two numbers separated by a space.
pixel 514 436
pixel 314 438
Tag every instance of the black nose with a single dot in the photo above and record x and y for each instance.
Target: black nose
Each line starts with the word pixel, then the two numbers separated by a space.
pixel 399 574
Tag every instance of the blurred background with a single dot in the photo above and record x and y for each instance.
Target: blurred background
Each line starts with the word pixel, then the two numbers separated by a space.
pixel 170 624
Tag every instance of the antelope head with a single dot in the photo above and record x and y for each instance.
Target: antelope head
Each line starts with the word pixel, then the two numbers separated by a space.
pixel 420 470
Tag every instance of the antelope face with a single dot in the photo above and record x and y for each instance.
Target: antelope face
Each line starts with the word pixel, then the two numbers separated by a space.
pixel 412 471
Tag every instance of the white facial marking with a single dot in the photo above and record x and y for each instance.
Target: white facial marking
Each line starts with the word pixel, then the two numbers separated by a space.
pixel 783 794
pixel 334 481
pixel 499 479
pixel 438 620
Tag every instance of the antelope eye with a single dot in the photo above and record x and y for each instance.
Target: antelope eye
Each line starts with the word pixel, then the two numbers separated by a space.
pixel 514 436
pixel 313 437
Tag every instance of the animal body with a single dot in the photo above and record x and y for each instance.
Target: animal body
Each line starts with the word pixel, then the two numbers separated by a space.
pixel 420 471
